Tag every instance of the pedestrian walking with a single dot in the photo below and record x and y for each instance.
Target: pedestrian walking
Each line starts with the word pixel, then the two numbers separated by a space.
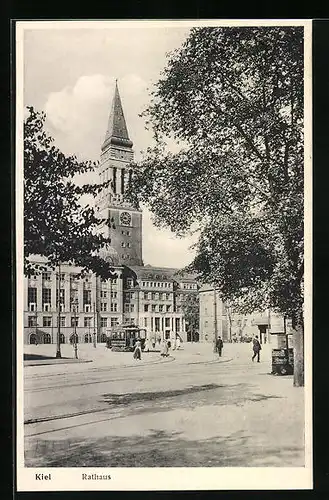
pixel 177 342
pixel 138 350
pixel 219 346
pixel 256 347
pixel 164 348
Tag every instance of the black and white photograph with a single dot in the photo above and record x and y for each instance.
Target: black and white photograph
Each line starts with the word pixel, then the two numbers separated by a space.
pixel 164 255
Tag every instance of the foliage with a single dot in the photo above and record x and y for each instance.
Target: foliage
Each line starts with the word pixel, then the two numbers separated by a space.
pixel 233 98
pixel 191 311
pixel 56 224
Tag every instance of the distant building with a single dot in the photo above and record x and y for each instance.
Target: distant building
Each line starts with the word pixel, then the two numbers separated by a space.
pixel 209 302
pixel 233 326
pixel 150 297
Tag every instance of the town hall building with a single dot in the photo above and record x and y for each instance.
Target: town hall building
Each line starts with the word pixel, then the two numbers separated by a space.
pixel 85 307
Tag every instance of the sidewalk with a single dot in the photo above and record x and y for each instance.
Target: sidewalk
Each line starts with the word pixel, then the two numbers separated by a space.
pixel 44 354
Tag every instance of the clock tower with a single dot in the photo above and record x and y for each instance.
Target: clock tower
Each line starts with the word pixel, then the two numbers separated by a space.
pixel 125 221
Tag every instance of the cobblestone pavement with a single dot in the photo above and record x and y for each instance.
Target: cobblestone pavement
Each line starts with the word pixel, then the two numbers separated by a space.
pixel 193 409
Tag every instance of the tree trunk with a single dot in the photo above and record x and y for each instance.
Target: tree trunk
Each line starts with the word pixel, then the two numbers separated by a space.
pixel 298 340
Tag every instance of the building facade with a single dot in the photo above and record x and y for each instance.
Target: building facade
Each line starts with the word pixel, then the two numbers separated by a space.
pixel 215 315
pixel 86 308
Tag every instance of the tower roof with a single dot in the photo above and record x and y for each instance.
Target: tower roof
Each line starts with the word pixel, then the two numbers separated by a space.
pixel 117 133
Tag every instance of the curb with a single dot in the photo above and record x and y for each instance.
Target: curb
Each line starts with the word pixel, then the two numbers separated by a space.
pixel 73 361
pixel 212 362
pixel 59 361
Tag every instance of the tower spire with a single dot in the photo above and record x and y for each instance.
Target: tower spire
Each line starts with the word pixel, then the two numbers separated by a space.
pixel 117 132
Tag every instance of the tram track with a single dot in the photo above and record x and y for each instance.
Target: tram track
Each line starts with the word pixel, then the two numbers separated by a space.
pixel 122 379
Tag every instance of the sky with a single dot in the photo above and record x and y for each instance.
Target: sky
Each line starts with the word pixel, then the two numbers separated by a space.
pixel 70 74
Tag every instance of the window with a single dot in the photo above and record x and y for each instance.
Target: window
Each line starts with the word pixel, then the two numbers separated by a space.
pixel 123 244
pixel 46 276
pixel 153 308
pixel 32 295
pixel 167 296
pixel 146 307
pixel 46 296
pixel 103 322
pixel 128 245
pixel 103 306
pixel 87 321
pixel 145 322
pixel 87 296
pixel 132 295
pixel 156 296
pixel 103 294
pixel 161 284
pixel 114 295
pixel 74 321
pixel 62 321
pixel 114 321
pixel 32 321
pixel 114 281
pixel 167 322
pixel 114 307
pixel 129 283
pixel 143 283
pixel 61 296
pixel 46 321
pixel 153 296
pixel 160 308
pixel 127 307
pixel 74 305
pixel 168 307
pixel 149 296
pixel 128 233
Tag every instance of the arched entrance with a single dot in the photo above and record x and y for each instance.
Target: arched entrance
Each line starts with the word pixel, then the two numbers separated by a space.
pixel 62 338
pixel 74 339
pixel 88 338
pixel 33 338
pixel 46 338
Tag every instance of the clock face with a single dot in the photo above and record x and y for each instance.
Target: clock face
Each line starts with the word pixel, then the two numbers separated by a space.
pixel 125 219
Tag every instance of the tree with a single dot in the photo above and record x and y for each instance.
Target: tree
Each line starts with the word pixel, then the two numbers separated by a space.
pixel 56 224
pixel 191 310
pixel 232 97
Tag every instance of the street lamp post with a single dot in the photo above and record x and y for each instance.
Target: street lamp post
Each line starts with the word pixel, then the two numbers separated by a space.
pixel 58 349
pixel 94 332
pixel 215 322
pixel 75 343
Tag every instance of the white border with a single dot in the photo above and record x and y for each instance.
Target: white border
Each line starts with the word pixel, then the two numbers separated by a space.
pixel 233 478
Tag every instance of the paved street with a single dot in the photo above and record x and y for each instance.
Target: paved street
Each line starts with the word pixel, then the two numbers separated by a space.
pixel 191 409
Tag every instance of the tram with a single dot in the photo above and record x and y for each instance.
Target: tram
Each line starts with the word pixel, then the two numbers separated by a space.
pixel 123 337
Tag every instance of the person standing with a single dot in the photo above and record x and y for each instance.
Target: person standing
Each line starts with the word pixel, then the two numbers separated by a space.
pixel 138 350
pixel 256 348
pixel 219 346
pixel 164 349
